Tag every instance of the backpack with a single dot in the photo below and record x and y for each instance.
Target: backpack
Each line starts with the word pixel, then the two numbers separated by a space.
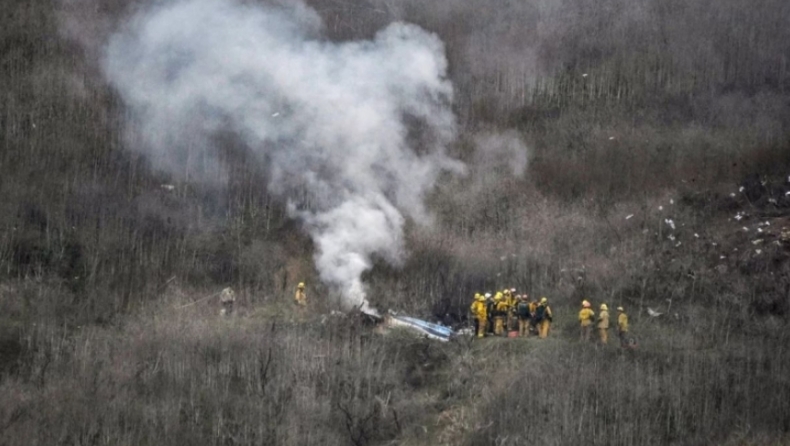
pixel 523 310
pixel 540 313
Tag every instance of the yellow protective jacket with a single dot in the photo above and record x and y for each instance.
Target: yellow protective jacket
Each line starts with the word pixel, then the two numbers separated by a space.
pixel 511 301
pixel 603 319
pixel 622 322
pixel 479 309
pixel 586 317
pixel 300 297
pixel 532 307
pixel 502 306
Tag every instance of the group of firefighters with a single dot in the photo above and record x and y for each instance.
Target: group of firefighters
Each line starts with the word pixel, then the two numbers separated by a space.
pixel 506 312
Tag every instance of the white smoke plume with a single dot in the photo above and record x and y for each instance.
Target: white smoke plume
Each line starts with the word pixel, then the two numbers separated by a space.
pixel 334 120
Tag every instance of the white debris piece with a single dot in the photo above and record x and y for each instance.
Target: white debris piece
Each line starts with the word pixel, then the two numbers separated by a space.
pixel 584 74
pixel 671 201
pixel 758 251
pixel 732 195
pixel 746 229
pixel 503 258
pixel 787 193
pixel 168 187
pixel 767 223
pixel 759 230
pixel 671 237
pixel 757 242
pixel 741 189
pixel 677 245
pixel 772 200
pixel 714 244
pixel 653 313
pixel 669 222
pixel 661 208
pixel 628 217
pixel 611 138
pixel 696 235
pixel 275 114
pixel 722 257
pixel 738 216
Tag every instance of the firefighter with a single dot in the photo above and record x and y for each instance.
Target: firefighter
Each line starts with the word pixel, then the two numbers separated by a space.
pixel 500 313
pixel 227 298
pixel 543 317
pixel 524 316
pixel 622 326
pixel 586 316
pixel 479 313
pixel 300 297
pixel 511 300
pixel 603 324
pixel 490 309
pixel 533 307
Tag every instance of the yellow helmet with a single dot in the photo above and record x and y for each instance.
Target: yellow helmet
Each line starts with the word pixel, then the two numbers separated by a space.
pixel 498 296
pixel 301 285
pixel 586 303
pixel 543 300
pixel 480 298
pixel 604 307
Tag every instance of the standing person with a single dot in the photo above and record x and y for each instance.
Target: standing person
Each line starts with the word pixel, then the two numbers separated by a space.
pixel 479 313
pixel 524 316
pixel 512 302
pixel 603 324
pixel 300 297
pixel 586 316
pixel 490 309
pixel 533 307
pixel 543 317
pixel 500 313
pixel 227 297
pixel 622 326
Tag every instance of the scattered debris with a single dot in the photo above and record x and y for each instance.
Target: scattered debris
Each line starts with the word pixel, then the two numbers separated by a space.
pixel 669 222
pixel 758 251
pixel 671 237
pixel 168 187
pixel 431 330
pixel 757 242
pixel 653 313
pixel 628 217
pixel 696 235
pixel 275 114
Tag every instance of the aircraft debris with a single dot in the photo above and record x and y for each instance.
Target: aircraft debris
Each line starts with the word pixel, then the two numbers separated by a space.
pixel 429 329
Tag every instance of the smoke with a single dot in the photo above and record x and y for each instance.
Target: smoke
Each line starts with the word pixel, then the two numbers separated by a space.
pixel 359 127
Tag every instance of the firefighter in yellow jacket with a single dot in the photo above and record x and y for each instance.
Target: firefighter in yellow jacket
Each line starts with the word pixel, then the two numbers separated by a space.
pixel 622 326
pixel 511 301
pixel 500 313
pixel 543 317
pixel 603 324
pixel 479 313
pixel 300 297
pixel 586 317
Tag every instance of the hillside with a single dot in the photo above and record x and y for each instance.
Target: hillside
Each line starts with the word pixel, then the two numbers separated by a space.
pixel 405 156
